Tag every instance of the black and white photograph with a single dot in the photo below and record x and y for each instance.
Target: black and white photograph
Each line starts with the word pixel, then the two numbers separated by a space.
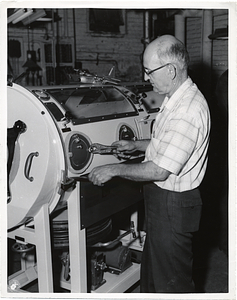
pixel 118 159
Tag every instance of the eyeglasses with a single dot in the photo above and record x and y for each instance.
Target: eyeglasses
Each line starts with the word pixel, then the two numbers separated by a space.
pixel 148 73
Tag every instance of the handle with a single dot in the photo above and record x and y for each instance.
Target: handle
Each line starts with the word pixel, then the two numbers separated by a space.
pixel 12 135
pixel 28 165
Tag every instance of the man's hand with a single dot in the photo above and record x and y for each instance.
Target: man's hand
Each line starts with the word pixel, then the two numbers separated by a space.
pixel 102 174
pixel 126 148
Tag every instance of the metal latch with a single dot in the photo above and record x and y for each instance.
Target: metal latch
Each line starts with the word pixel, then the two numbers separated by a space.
pixel 69 183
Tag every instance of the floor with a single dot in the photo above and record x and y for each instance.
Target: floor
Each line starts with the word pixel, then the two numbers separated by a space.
pixel 211 269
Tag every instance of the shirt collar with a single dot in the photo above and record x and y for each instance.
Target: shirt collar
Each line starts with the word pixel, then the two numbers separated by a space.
pixel 169 103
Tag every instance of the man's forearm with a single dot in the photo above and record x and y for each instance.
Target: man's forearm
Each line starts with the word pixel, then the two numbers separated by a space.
pixel 141 145
pixel 147 171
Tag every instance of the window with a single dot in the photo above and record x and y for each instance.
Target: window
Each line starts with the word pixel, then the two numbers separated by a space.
pixel 94 104
pixel 105 20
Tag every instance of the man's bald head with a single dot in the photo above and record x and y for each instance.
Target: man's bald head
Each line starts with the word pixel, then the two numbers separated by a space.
pixel 168 49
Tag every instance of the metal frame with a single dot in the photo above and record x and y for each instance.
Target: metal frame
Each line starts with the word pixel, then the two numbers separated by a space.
pixel 77 244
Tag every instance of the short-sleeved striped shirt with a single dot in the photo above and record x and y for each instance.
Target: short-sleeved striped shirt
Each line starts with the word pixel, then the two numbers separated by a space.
pixel 180 138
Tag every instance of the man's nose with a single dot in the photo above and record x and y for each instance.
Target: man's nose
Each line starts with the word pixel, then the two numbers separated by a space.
pixel 146 77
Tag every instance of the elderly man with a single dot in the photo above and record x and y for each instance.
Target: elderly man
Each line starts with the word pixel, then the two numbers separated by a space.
pixel 174 166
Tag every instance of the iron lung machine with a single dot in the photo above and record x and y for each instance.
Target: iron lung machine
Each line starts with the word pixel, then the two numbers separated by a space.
pixel 56 136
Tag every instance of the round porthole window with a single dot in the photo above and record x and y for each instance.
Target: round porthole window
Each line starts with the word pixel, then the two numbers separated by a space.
pixel 78 153
pixel 126 133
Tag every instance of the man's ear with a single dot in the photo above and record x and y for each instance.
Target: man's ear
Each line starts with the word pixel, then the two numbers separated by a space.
pixel 172 71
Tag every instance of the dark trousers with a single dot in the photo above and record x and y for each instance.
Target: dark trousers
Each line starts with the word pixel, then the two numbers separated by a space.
pixel 171 218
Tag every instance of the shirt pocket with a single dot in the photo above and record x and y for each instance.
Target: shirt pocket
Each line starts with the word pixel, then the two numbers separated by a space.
pixel 186 214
